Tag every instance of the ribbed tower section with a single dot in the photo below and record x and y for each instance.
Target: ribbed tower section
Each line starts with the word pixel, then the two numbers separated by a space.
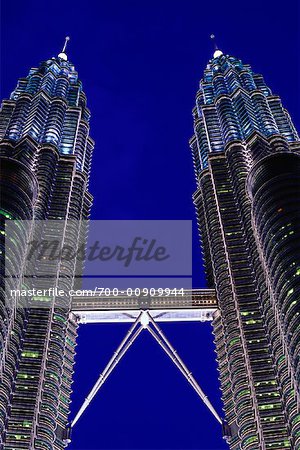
pixel 243 135
pixel 45 153
pixel 274 188
pixel 18 190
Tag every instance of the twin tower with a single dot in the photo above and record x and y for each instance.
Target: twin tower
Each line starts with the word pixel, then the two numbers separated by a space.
pixel 246 155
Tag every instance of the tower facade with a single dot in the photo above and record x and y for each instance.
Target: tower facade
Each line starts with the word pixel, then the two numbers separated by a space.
pixel 45 153
pixel 246 158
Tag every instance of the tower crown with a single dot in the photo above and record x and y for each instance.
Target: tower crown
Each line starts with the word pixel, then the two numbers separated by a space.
pixel 232 103
pixel 49 106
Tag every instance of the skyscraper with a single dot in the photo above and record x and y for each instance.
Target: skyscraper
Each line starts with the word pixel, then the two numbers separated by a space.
pixel 246 158
pixel 45 152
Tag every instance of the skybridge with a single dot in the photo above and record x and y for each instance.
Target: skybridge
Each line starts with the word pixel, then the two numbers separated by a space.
pixel 144 312
pixel 191 305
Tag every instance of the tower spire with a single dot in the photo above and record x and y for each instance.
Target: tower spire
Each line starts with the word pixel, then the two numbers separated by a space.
pixel 63 54
pixel 217 52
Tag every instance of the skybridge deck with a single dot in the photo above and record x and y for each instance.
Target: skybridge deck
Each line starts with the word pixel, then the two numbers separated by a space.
pixel 191 305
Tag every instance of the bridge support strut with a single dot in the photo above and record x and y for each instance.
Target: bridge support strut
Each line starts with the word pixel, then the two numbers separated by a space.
pixel 145 321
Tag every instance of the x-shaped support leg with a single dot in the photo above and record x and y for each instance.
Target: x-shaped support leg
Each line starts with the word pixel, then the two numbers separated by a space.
pixel 146 321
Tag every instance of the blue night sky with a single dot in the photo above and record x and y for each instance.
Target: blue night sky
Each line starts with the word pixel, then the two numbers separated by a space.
pixel 140 63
